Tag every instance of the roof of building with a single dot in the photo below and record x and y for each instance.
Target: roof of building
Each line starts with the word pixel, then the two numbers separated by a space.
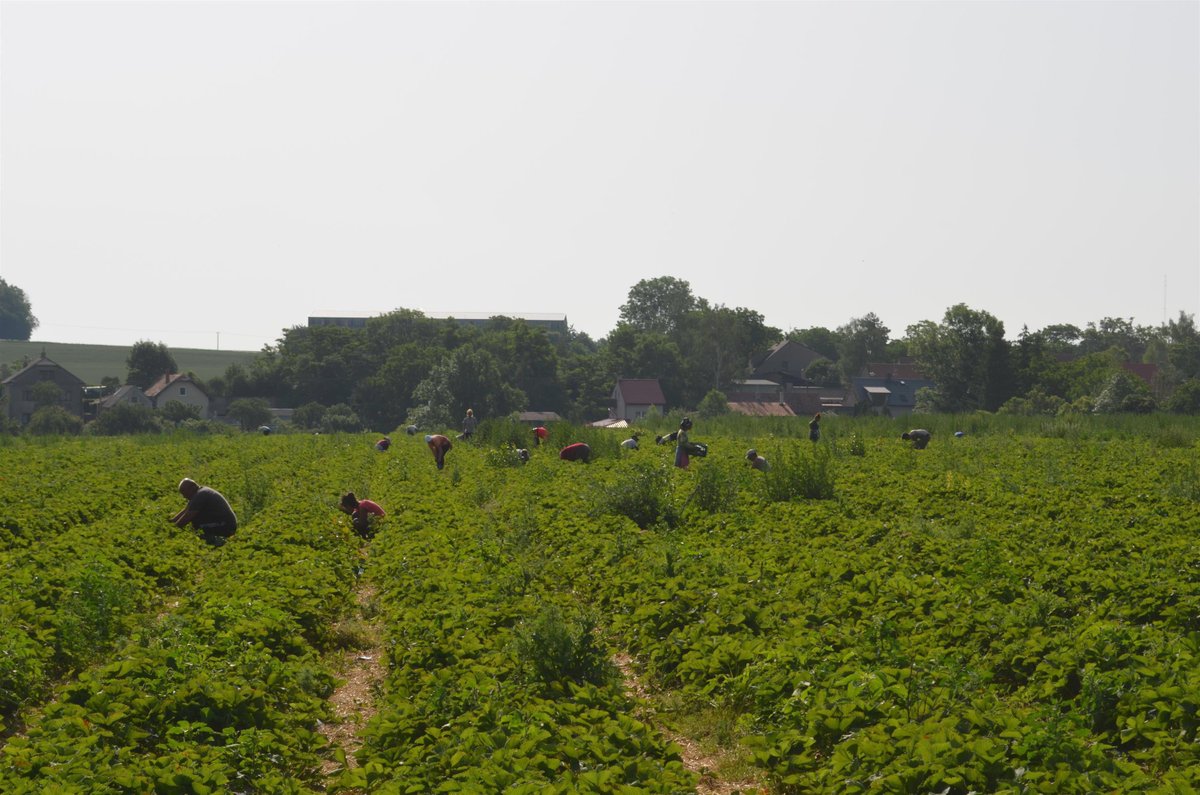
pixel 610 423
pixel 170 378
pixel 759 408
pixel 120 396
pixel 1145 371
pixel 41 361
pixel 640 391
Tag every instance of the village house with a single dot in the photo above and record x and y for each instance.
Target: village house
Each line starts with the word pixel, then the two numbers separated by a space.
pixel 633 398
pixel 888 388
pixel 20 389
pixel 181 387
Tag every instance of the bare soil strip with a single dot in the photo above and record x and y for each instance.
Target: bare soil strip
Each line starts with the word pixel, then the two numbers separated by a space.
pixel 353 701
pixel 705 764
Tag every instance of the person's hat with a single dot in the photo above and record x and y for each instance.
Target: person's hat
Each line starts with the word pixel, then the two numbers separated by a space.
pixel 752 454
pixel 428 439
pixel 685 423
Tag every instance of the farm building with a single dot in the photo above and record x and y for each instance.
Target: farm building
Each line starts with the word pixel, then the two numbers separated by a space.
pixel 23 394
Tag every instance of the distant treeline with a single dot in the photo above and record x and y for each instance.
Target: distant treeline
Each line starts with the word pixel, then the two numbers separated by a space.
pixel 406 367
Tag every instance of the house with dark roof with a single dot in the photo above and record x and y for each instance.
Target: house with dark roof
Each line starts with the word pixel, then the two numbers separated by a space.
pixel 181 387
pixel 126 394
pixel 633 398
pixel 19 389
pixel 785 363
pixel 888 388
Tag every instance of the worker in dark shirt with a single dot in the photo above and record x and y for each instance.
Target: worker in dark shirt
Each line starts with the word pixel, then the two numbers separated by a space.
pixel 208 511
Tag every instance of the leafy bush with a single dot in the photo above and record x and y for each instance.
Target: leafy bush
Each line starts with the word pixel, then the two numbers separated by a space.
pixel 714 404
pixel 550 649
pixel 717 488
pixel 644 495
pixel 797 473
pixel 54 421
pixel 125 418
pixel 340 418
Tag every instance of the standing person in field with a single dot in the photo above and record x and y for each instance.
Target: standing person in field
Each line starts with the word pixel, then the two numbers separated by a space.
pixel 468 424
pixel 438 445
pixel 540 435
pixel 361 512
pixel 208 511
pixel 757 461
pixel 576 452
pixel 814 428
pixel 681 440
pixel 918 436
pixel 383 444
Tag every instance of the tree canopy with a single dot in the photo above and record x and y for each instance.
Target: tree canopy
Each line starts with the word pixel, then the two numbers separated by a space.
pixel 148 362
pixel 16 316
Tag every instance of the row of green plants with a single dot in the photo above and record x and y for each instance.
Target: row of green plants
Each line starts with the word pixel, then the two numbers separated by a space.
pixel 1012 610
pixel 218 675
pixel 496 682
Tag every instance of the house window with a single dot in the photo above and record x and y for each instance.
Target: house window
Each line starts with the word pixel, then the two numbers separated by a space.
pixel 183 390
pixel 27 395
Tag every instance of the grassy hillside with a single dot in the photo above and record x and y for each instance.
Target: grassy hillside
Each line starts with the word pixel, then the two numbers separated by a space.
pixel 93 362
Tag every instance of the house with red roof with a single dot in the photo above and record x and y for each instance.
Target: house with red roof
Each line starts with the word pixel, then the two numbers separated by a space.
pixel 181 387
pixel 632 398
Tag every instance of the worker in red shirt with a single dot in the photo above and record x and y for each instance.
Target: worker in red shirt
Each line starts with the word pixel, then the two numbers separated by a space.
pixel 438 445
pixel 576 452
pixel 361 512
pixel 539 435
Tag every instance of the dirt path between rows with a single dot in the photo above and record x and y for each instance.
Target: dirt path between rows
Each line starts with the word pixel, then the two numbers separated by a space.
pixel 362 670
pixel 706 764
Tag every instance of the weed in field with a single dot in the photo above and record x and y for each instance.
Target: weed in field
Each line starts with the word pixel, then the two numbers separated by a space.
pixel 644 495
pixel 799 474
pixel 552 648
pixel 92 611
pixel 717 489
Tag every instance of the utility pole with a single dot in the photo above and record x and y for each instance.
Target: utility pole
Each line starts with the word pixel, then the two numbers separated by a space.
pixel 218 340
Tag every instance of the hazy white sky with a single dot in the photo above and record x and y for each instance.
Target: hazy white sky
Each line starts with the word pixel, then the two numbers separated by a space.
pixel 171 170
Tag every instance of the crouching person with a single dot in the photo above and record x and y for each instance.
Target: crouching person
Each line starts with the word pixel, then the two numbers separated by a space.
pixel 208 511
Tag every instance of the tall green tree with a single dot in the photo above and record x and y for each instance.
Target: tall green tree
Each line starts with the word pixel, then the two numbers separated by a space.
pixel 468 379
pixel 659 304
pixel 147 362
pixel 16 316
pixel 862 340
pixel 818 338
pixel 966 356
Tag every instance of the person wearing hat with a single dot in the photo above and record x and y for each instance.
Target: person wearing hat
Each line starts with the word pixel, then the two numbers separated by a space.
pixel 681 440
pixel 757 461
pixel 438 445
pixel 631 443
pixel 540 435
pixel 383 444
pixel 814 428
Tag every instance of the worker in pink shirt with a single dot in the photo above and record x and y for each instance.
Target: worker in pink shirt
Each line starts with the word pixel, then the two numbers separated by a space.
pixel 361 512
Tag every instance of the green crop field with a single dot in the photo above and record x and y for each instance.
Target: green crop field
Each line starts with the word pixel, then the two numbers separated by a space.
pixel 1014 611
pixel 93 362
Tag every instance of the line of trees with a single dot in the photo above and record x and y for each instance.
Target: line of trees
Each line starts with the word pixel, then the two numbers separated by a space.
pixel 405 367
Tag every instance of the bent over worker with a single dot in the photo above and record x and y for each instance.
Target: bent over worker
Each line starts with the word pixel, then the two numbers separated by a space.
pixel 361 512
pixel 438 445
pixel 576 452
pixel 208 511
